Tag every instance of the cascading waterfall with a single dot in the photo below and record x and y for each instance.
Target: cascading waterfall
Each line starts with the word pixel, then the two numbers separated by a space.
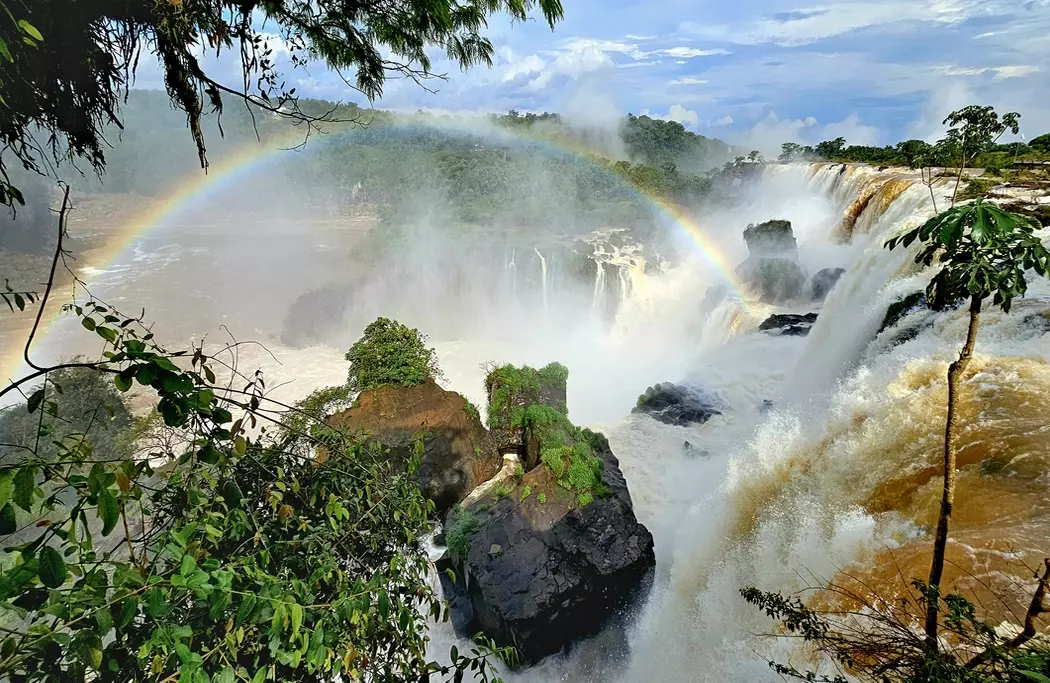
pixel 598 299
pixel 840 474
pixel 543 279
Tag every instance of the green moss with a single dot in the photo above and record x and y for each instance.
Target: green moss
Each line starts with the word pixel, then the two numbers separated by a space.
pixel 502 491
pixel 515 396
pixel 519 471
pixel 461 528
pixel 542 498
pixel 901 307
pixel 597 440
pixel 526 492
pixel 510 389
pixel 472 410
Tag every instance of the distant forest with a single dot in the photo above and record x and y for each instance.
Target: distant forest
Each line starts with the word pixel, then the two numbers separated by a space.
pixel 527 169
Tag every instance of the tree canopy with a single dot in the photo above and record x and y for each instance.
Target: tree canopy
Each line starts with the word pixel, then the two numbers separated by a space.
pixel 65 68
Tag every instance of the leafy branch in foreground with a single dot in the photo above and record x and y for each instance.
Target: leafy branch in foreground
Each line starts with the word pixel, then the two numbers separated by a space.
pixel 878 640
pixel 226 554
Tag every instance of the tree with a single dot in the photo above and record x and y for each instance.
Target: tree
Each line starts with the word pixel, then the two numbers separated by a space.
pixel 390 353
pixel 982 251
pixel 65 73
pixel 973 130
pixel 1041 143
pixel 830 149
pixel 792 151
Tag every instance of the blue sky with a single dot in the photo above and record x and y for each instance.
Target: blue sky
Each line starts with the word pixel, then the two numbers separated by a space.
pixel 755 72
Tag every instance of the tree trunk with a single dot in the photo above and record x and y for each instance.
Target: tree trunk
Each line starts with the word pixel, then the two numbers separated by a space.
pixel 955 373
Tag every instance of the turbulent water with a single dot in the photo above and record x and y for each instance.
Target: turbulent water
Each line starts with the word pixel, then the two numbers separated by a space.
pixel 838 479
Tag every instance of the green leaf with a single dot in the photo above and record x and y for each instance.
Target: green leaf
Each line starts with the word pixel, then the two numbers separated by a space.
pixel 29 29
pixel 7 487
pixel 296 613
pixel 25 486
pixel 5 52
pixel 52 568
pixel 107 333
pixel 108 511
pixel 128 609
pixel 227 675
pixel 1034 676
pixel 8 523
pixel 122 381
pixel 34 400
pixel 88 323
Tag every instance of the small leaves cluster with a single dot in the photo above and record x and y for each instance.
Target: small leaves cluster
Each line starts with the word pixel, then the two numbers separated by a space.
pixel 982 250
pixel 231 556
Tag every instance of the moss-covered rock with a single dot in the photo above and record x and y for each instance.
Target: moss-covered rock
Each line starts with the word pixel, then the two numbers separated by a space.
pixel 565 567
pixel 900 308
pixel 771 238
pixel 527 410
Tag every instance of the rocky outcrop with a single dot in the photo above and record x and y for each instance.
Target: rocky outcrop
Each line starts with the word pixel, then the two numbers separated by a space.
pixel 677 405
pixel 543 572
pixel 771 268
pixel 788 324
pixel 458 454
pixel 823 281
pixel 510 391
pixel 772 238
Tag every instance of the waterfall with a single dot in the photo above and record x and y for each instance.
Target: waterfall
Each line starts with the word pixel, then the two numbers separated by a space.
pixel 598 298
pixel 543 279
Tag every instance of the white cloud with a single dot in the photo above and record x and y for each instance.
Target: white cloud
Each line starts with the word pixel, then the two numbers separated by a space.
pixel 770 132
pixel 688 80
pixel 580 57
pixel 855 132
pixel 690 52
pixel 682 115
pixel 807 25
pixel 525 66
pixel 724 121
pixel 1014 71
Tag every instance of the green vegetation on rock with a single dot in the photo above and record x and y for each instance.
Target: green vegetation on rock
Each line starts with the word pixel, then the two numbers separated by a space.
pixel 390 353
pixel 520 398
pixel 461 527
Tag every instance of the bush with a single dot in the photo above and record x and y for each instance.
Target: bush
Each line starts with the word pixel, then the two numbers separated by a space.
pixel 472 409
pixel 390 353
pixel 242 558
pixel 461 527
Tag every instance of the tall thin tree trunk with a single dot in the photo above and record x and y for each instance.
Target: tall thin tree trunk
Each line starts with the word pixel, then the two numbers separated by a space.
pixel 955 373
pixel 962 165
pixel 929 183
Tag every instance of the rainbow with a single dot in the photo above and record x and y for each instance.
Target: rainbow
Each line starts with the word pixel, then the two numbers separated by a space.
pixel 249 158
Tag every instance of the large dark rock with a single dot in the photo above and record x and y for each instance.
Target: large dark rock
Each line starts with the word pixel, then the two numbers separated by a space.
pixel 677 405
pixel 823 281
pixel 542 572
pixel 775 280
pixel 788 324
pixel 772 238
pixel 771 268
pixel 458 453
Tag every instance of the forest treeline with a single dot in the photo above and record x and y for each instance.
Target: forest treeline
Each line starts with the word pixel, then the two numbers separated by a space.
pixel 914 153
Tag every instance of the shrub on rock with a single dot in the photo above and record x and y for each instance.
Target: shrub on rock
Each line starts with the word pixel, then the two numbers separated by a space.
pixel 390 353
